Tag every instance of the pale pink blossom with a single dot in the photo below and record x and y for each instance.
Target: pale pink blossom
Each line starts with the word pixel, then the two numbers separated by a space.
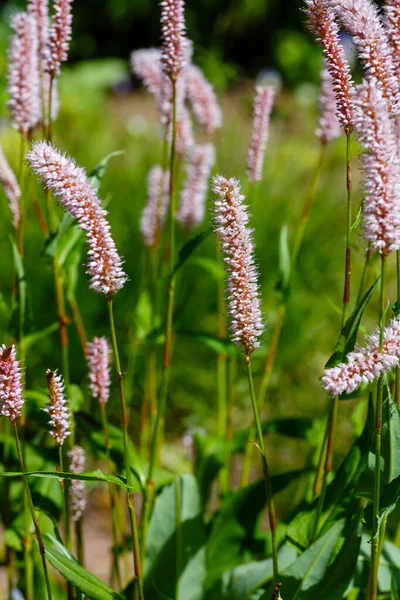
pixel 155 211
pixel 74 191
pixel 203 100
pixel 184 132
pixel 322 23
pixel 59 417
pixel 77 490
pixel 146 65
pixel 380 163
pixel 194 192
pixel 231 226
pixel 329 126
pixel 40 10
pixel 98 355
pixel 11 188
pixel 175 45
pixel 263 102
pixel 365 364
pixel 362 21
pixel 11 395
pixel 23 74
pixel 392 22
pixel 60 36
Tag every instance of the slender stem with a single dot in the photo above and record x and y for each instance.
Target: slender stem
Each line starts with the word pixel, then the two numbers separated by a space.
pixel 112 492
pixel 178 536
pixel 32 511
pixel 221 386
pixel 321 462
pixel 397 386
pixel 125 425
pixel 269 364
pixel 375 554
pixel 347 277
pixel 80 328
pixel 62 319
pixel 267 479
pixel 79 542
pixel 364 277
pixel 166 364
pixel 330 441
pixel 65 490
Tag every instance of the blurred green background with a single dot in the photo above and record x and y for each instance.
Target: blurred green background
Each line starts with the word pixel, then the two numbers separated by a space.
pixel 101 112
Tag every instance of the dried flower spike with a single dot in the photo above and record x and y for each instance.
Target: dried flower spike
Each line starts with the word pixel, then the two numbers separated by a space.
pixel 365 364
pixel 362 21
pixel 263 102
pixel 60 36
pixel 11 188
pixel 202 99
pixel 23 74
pixel 329 126
pixel 75 193
pixel 231 226
pixel 77 490
pixel 56 407
pixel 11 395
pixel 155 211
pixel 194 193
pixel 381 168
pixel 321 22
pixel 175 46
pixel 99 369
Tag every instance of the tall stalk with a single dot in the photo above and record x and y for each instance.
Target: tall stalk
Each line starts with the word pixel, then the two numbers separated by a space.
pixel 166 363
pixel 125 424
pixel 67 529
pixel 375 554
pixel 347 277
pixel 281 313
pixel 222 387
pixel 267 479
pixel 32 511
pixel 397 385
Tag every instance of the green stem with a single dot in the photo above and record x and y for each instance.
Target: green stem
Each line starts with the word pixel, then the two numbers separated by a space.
pixel 32 511
pixel 112 492
pixel 67 528
pixel 375 554
pixel 125 424
pixel 79 542
pixel 269 364
pixel 178 502
pixel 267 479
pixel 364 276
pixel 321 462
pixel 397 387
pixel 166 365
pixel 222 387
pixel 347 277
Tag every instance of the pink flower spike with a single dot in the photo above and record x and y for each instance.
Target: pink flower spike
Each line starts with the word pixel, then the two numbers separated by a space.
pixel 23 74
pixel 155 211
pixel 60 36
pixel 194 193
pixel 361 20
pixel 392 22
pixel 263 102
pixel 381 166
pixel 365 364
pixel 11 188
pixel 175 46
pixel 99 369
pixel 75 193
pixel 11 396
pixel 77 490
pixel 56 408
pixel 329 126
pixel 231 226
pixel 202 99
pixel 40 11
pixel 146 65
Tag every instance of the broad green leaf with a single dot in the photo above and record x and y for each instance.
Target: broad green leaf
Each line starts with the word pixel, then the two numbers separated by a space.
pixel 56 240
pixel 389 500
pixel 302 578
pixel 389 565
pixel 70 240
pixel 143 316
pixel 76 397
pixel 160 563
pixel 210 266
pixel 89 476
pixel 13 540
pixel 99 171
pixel 187 249
pixel 87 583
pixel 340 498
pixel 348 335
pixel 211 455
pixel 34 338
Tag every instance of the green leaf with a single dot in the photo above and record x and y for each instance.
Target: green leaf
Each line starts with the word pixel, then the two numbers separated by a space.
pixel 389 499
pixel 72 268
pixel 13 540
pixel 358 219
pixel 187 249
pixel 89 476
pixel 284 262
pixel 212 342
pixel 348 335
pixel 56 240
pixel 160 563
pixel 143 316
pixel 34 338
pixel 99 171
pixel 211 456
pixel 80 578
pixel 212 267
pixel 301 579
pixel 301 428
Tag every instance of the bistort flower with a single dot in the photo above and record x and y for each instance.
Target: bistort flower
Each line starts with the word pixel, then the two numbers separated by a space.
pixel 155 211
pixel 175 45
pixel 203 100
pixel 263 102
pixel 77 490
pixel 11 395
pixel 56 408
pixel 329 126
pixel 60 36
pixel 11 188
pixel 98 355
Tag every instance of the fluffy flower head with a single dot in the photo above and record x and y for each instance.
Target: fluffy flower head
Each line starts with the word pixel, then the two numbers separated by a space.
pixel 60 36
pixel 75 193
pixel 329 126
pixel 231 226
pixel 99 368
pixel 155 211
pixel 175 46
pixel 194 192
pixel 203 100
pixel 77 490
pixel 11 188
pixel 59 418
pixel 263 102
pixel 11 396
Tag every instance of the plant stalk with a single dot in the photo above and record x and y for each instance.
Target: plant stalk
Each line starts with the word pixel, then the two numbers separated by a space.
pixel 347 277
